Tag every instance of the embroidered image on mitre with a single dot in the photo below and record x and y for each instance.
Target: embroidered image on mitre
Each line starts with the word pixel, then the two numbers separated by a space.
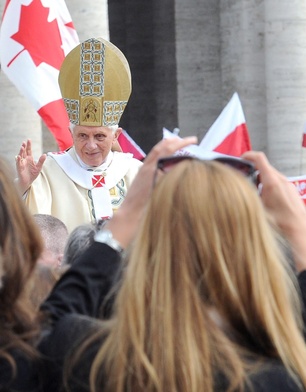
pixel 95 82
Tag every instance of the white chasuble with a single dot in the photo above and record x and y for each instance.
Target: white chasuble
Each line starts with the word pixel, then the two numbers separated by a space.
pixel 76 195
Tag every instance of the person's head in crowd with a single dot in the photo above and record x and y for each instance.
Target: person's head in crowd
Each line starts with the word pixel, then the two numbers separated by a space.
pixel 20 247
pixel 78 241
pixel 55 234
pixel 95 82
pixel 207 297
pixel 42 282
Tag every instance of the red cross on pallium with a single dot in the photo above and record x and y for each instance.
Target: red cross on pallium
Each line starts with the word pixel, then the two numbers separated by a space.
pixel 98 181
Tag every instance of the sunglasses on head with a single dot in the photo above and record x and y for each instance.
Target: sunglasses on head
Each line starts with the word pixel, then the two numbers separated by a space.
pixel 243 166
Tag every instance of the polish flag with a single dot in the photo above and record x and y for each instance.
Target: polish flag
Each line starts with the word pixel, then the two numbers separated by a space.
pixel 35 37
pixel 127 144
pixel 193 150
pixel 228 134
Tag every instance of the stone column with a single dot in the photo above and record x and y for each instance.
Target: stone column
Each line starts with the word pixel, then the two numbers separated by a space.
pixel 243 63
pixel 19 121
pixel 198 65
pixel 145 33
pixel 285 54
pixel 90 18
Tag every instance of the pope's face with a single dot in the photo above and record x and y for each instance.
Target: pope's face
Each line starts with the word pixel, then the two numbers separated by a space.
pixel 92 144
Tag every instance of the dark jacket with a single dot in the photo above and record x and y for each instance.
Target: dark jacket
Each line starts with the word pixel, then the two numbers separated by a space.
pixel 84 290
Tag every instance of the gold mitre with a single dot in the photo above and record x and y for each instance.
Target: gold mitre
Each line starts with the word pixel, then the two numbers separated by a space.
pixel 95 82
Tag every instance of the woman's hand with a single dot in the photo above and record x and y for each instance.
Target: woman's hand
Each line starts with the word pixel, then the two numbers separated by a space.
pixel 126 219
pixel 281 198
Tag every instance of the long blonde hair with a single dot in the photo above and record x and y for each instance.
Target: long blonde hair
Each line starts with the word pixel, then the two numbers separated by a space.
pixel 20 247
pixel 205 248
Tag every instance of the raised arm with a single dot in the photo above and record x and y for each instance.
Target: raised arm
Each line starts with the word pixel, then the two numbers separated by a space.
pixel 125 221
pixel 285 205
pixel 27 168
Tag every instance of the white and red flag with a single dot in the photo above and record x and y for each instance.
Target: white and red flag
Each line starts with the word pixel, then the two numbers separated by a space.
pixel 193 150
pixel 228 134
pixel 128 144
pixel 35 37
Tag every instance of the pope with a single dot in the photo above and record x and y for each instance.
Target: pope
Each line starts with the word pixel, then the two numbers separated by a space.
pixel 89 181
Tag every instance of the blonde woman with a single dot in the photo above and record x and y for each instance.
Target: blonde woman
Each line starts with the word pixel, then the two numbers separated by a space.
pixel 207 301
pixel 20 247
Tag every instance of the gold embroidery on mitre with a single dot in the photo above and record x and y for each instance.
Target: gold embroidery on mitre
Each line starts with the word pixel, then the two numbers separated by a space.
pixel 92 68
pixel 72 108
pixel 112 112
pixel 91 111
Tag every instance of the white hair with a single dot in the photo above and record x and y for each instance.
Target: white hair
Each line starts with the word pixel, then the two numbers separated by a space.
pixel 113 128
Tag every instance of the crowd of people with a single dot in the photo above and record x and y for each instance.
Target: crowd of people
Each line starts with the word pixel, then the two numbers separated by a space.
pixel 197 281
pixel 192 291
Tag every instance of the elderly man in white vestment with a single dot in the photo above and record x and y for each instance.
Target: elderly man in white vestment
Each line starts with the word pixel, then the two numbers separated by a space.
pixel 87 182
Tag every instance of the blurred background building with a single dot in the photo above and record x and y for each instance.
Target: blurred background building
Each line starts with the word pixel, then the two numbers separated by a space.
pixel 187 58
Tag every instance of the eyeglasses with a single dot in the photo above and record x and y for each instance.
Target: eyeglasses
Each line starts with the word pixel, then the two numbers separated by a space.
pixel 243 166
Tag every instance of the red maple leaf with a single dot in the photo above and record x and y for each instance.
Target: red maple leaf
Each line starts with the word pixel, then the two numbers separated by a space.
pixel 39 37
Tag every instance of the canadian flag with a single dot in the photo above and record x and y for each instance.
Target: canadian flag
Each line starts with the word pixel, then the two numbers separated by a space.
pixel 228 134
pixel 127 144
pixel 35 37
